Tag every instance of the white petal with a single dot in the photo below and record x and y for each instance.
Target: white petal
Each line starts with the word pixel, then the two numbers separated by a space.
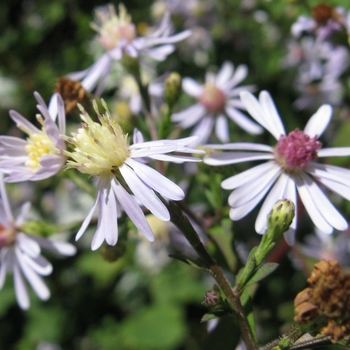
pixel 189 116
pixel 60 247
pixel 203 130
pixel 34 280
pixel 272 117
pixel 324 206
pixel 334 152
pixel 20 120
pixel 12 141
pixel 250 175
pixel 247 192
pixel 107 227
pixel 20 288
pixel 4 266
pixel 319 121
pixel 133 210
pixel 310 206
pixel 224 74
pixel 144 193
pixel 331 172
pixel 221 128
pixel 191 87
pixel 87 220
pixel 28 245
pixel 240 74
pixel 174 159
pixel 239 146
pixel 342 190
pixel 241 120
pixel 235 157
pixel 157 181
pixel 39 264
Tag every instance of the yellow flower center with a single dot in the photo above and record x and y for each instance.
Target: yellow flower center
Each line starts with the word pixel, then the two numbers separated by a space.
pixel 111 27
pixel 99 148
pixel 38 145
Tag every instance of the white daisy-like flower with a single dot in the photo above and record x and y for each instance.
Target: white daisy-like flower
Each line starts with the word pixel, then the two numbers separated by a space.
pixel 102 150
pixel 217 100
pixel 290 169
pixel 118 36
pixel 21 253
pixel 37 157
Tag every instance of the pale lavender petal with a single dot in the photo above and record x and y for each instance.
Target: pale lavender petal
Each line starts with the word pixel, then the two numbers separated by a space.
pixel 334 152
pixel 4 265
pixel 12 141
pixel 20 288
pixel 144 193
pixel 159 53
pixel 318 123
pixel 240 74
pixel 87 220
pixel 342 190
pixel 107 227
pixel 203 130
pixel 331 172
pixel 133 210
pixel 21 121
pixel 34 280
pixel 60 247
pixel 224 74
pixel 323 205
pixel 271 115
pixel 247 192
pixel 250 175
pixel 147 152
pixel 23 213
pixel 5 202
pixel 175 159
pixel 61 115
pixel 315 215
pixel 39 264
pixel 239 146
pixel 235 103
pixel 157 181
pixel 235 157
pixel 137 136
pixel 28 245
pixel 241 120
pixel 189 116
pixel 191 87
pixel 221 128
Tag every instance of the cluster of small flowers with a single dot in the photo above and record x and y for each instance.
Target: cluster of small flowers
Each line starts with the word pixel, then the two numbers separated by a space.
pixel 125 178
pixel 319 60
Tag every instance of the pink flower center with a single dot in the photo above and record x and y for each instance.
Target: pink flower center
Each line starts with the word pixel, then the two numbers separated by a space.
pixel 7 236
pixel 295 151
pixel 212 98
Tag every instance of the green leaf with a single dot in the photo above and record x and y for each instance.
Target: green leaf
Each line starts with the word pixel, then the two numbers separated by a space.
pixel 246 301
pixel 194 263
pixel 263 271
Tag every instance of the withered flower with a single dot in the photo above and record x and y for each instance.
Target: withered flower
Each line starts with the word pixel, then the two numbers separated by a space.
pixel 327 300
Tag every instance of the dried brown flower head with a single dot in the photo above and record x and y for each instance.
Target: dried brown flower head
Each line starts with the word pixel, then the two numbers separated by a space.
pixel 322 13
pixel 327 300
pixel 72 93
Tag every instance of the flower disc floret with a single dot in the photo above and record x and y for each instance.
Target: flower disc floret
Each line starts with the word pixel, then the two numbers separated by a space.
pixel 99 148
pixel 113 28
pixel 212 98
pixel 295 151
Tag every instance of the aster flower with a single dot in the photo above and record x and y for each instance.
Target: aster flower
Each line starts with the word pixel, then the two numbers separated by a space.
pixel 37 157
pixel 290 168
pixel 21 253
pixel 217 100
pixel 117 34
pixel 102 150
pixel 325 21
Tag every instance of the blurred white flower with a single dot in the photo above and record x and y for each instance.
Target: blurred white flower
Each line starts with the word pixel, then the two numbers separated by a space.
pixel 217 100
pixel 102 150
pixel 39 156
pixel 21 253
pixel 287 170
pixel 118 36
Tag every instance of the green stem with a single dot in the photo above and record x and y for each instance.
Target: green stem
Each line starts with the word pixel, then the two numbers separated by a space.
pixel 191 235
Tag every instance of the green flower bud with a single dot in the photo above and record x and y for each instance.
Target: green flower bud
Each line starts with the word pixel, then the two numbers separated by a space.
pixel 172 88
pixel 113 253
pixel 280 217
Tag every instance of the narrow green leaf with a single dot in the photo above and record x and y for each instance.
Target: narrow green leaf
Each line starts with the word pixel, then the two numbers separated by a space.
pixel 263 271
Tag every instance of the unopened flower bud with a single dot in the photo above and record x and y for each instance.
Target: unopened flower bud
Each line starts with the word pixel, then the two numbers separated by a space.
pixel 113 253
pixel 212 299
pixel 172 88
pixel 280 217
